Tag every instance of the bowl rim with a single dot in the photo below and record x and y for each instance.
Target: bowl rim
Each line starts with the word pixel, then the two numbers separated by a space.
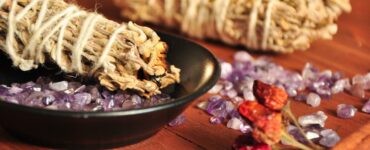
pixel 178 101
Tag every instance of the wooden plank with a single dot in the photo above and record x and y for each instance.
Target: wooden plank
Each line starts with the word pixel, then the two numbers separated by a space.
pixel 163 140
pixel 198 130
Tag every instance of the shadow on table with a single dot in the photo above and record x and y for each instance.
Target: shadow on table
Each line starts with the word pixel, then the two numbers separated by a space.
pixel 7 139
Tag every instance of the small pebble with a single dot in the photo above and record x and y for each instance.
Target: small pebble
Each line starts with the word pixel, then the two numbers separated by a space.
pixel 37 88
pixel 82 98
pixel 339 86
pixel 242 56
pixel 318 118
pixel 245 128
pixel 234 123
pixel 15 90
pixel 312 135
pixel 226 70
pixel 179 120
pixel 366 107
pixel 329 138
pixel 291 92
pixel 228 85
pixel 346 111
pixel 358 91
pixel 248 95
pixel 229 106
pixel 231 93
pixel 215 89
pixel 48 100
pixel 313 100
pixel 59 86
pixel 202 105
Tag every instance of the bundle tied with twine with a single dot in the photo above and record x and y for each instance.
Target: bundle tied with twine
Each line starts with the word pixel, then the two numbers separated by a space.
pixel 276 25
pixel 121 56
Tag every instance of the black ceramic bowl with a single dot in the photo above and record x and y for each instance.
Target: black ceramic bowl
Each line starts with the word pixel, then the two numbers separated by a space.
pixel 199 72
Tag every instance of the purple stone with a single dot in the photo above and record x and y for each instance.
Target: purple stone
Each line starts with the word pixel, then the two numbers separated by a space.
pixel 329 138
pixel 134 102
pixel 339 86
pixel 359 79
pixel 318 118
pixel 242 56
pixel 366 107
pixel 215 98
pixel 215 89
pixel 358 91
pixel 248 95
pixel 217 108
pixel 291 92
pixel 177 121
pixel 246 128
pixel 14 90
pixel 74 96
pixel 28 85
pixel 229 106
pixel 82 98
pixel 346 111
pixel 216 120
pixel 309 71
pixel 234 123
pixel 37 88
pixel 246 84
pixel 226 70
pixel 313 100
pixel 59 86
pixel 48 100
pixel 34 99
pixel 228 85
pixel 231 93
pixel 202 105
pixel 294 131
pixel 12 100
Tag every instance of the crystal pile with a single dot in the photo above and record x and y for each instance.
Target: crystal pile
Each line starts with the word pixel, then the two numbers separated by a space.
pixel 310 86
pixel 74 96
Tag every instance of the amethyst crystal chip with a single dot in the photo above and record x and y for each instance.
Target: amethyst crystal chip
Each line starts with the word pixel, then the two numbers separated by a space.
pixel 366 107
pixel 313 99
pixel 179 120
pixel 346 111
pixel 318 118
pixel 329 138
pixel 74 96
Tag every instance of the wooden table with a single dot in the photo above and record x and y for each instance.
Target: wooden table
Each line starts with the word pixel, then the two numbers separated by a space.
pixel 349 53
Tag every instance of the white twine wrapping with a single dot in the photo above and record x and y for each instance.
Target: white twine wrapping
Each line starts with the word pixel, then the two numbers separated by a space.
pixel 267 25
pixel 35 32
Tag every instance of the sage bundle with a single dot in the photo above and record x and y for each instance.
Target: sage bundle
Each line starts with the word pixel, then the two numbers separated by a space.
pixel 276 25
pixel 121 56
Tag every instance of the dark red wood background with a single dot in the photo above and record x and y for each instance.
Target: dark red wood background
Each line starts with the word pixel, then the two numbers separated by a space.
pixel 348 52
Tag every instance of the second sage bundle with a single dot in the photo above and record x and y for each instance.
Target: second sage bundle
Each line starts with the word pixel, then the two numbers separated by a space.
pixel 277 25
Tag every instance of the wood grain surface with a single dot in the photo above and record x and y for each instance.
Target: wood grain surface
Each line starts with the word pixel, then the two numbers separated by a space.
pixel 348 52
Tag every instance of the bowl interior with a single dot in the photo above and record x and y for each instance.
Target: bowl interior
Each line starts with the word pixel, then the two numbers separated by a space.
pixel 199 72
pixel 199 69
